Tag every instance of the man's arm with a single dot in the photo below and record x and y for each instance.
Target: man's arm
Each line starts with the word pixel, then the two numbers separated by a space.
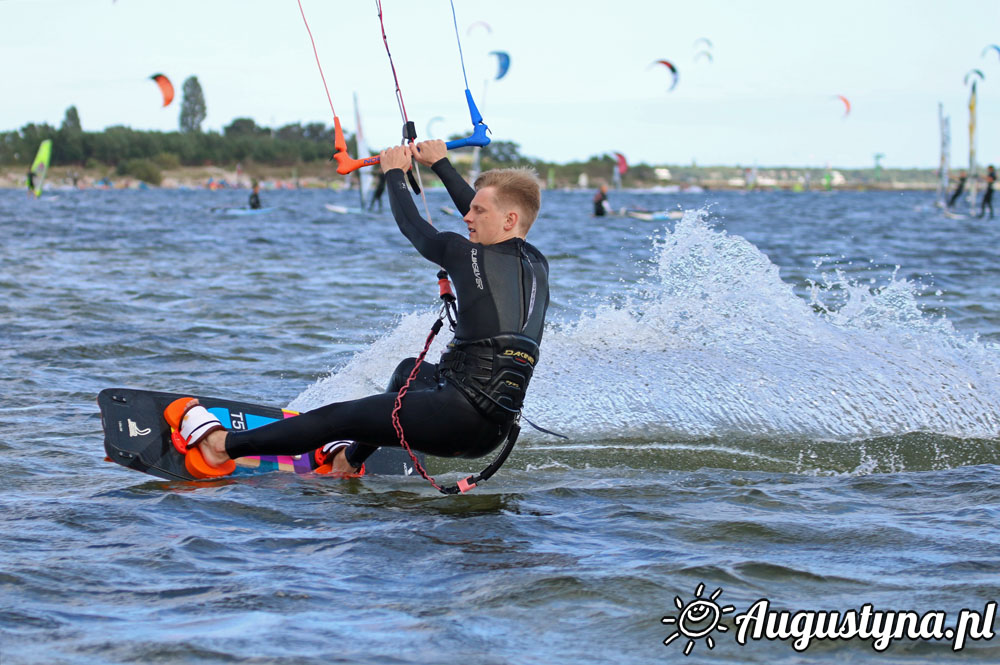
pixel 459 190
pixel 424 237
pixel 435 155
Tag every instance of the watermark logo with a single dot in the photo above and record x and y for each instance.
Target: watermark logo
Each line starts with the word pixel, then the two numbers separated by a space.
pixel 701 617
pixel 697 619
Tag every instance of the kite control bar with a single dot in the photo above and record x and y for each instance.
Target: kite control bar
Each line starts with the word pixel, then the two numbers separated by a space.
pixel 346 164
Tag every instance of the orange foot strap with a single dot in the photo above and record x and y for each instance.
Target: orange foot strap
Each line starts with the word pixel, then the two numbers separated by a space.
pixel 198 467
pixel 187 435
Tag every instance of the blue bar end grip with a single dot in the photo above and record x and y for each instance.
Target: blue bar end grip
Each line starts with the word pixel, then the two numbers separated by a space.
pixel 478 137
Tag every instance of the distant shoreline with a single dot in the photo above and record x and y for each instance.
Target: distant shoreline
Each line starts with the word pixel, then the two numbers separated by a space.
pixel 324 176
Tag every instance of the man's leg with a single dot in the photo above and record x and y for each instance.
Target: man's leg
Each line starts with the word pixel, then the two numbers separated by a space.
pixel 356 454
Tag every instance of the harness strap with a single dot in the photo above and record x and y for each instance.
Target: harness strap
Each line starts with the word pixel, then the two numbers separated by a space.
pixel 517 412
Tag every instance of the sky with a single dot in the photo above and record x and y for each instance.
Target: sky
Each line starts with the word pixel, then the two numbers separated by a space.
pixel 581 80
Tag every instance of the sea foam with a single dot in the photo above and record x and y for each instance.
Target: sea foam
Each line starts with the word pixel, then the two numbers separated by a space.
pixel 712 343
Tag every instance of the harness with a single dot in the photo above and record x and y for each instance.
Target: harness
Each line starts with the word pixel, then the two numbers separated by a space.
pixel 492 373
pixel 501 368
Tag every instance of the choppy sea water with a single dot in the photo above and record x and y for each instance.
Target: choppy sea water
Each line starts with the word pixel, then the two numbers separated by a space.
pixel 784 396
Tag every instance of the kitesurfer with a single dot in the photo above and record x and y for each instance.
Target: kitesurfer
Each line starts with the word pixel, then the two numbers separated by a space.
pixel 958 189
pixel 601 205
pixel 379 189
pixel 255 196
pixel 991 177
pixel 467 403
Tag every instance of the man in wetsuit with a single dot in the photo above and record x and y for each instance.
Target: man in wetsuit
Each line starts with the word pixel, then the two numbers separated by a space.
pixel 958 189
pixel 255 196
pixel 601 205
pixel 991 177
pixel 31 181
pixel 467 403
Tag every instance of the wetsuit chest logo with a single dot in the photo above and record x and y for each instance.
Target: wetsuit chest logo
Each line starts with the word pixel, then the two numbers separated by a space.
pixel 475 268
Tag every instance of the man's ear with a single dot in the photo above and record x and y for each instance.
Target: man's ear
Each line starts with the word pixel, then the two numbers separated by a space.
pixel 511 220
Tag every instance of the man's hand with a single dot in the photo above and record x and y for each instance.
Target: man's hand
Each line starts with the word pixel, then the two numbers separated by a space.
pixel 397 157
pixel 429 153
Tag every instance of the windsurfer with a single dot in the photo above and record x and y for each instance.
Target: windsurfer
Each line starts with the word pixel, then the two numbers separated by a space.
pixel 991 177
pixel 379 189
pixel 958 188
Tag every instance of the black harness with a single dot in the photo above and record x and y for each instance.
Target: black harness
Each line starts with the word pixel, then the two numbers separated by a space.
pixel 492 373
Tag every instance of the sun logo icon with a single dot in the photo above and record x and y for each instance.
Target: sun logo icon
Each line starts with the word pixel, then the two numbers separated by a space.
pixel 697 619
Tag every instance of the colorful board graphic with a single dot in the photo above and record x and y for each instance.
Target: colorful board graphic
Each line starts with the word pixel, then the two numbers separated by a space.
pixel 136 436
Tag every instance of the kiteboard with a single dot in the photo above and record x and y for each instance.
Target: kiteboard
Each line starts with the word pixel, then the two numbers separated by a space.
pixel 345 210
pixel 136 436
pixel 954 215
pixel 240 212
pixel 648 216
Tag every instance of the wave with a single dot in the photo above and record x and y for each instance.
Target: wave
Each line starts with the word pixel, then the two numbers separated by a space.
pixel 712 343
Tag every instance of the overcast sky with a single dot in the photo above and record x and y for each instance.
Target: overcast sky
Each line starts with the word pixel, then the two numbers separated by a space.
pixel 580 82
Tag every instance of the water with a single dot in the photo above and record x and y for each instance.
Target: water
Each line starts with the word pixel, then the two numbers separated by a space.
pixel 782 396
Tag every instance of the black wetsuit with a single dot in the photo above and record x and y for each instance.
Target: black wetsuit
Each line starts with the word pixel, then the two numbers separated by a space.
pixel 958 191
pixel 991 177
pixel 379 189
pixel 599 202
pixel 254 201
pixel 31 181
pixel 464 406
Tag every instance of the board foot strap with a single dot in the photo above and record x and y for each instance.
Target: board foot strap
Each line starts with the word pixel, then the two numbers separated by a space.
pixel 189 424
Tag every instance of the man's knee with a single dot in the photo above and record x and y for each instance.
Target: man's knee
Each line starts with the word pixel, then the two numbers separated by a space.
pixel 400 375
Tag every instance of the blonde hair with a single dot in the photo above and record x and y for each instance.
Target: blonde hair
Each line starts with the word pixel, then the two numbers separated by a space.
pixel 515 188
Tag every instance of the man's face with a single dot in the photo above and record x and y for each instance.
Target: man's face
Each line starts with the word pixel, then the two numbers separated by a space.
pixel 485 219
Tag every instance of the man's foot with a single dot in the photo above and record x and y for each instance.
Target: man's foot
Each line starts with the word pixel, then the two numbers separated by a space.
pixel 200 437
pixel 333 460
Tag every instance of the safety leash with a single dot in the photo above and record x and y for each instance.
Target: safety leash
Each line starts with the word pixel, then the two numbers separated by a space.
pixel 468 483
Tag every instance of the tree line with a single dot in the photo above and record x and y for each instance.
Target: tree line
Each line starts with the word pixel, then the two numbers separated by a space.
pixel 143 154
pixel 242 140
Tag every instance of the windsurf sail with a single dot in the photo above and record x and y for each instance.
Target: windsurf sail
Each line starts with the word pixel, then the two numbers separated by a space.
pixel 620 168
pixel 40 167
pixel 945 126
pixel 364 175
pixel 972 149
pixel 476 168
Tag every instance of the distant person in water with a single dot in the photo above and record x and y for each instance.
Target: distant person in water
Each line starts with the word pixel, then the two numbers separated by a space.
pixel 959 189
pixel 379 189
pixel 31 181
pixel 601 205
pixel 255 196
pixel 991 177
